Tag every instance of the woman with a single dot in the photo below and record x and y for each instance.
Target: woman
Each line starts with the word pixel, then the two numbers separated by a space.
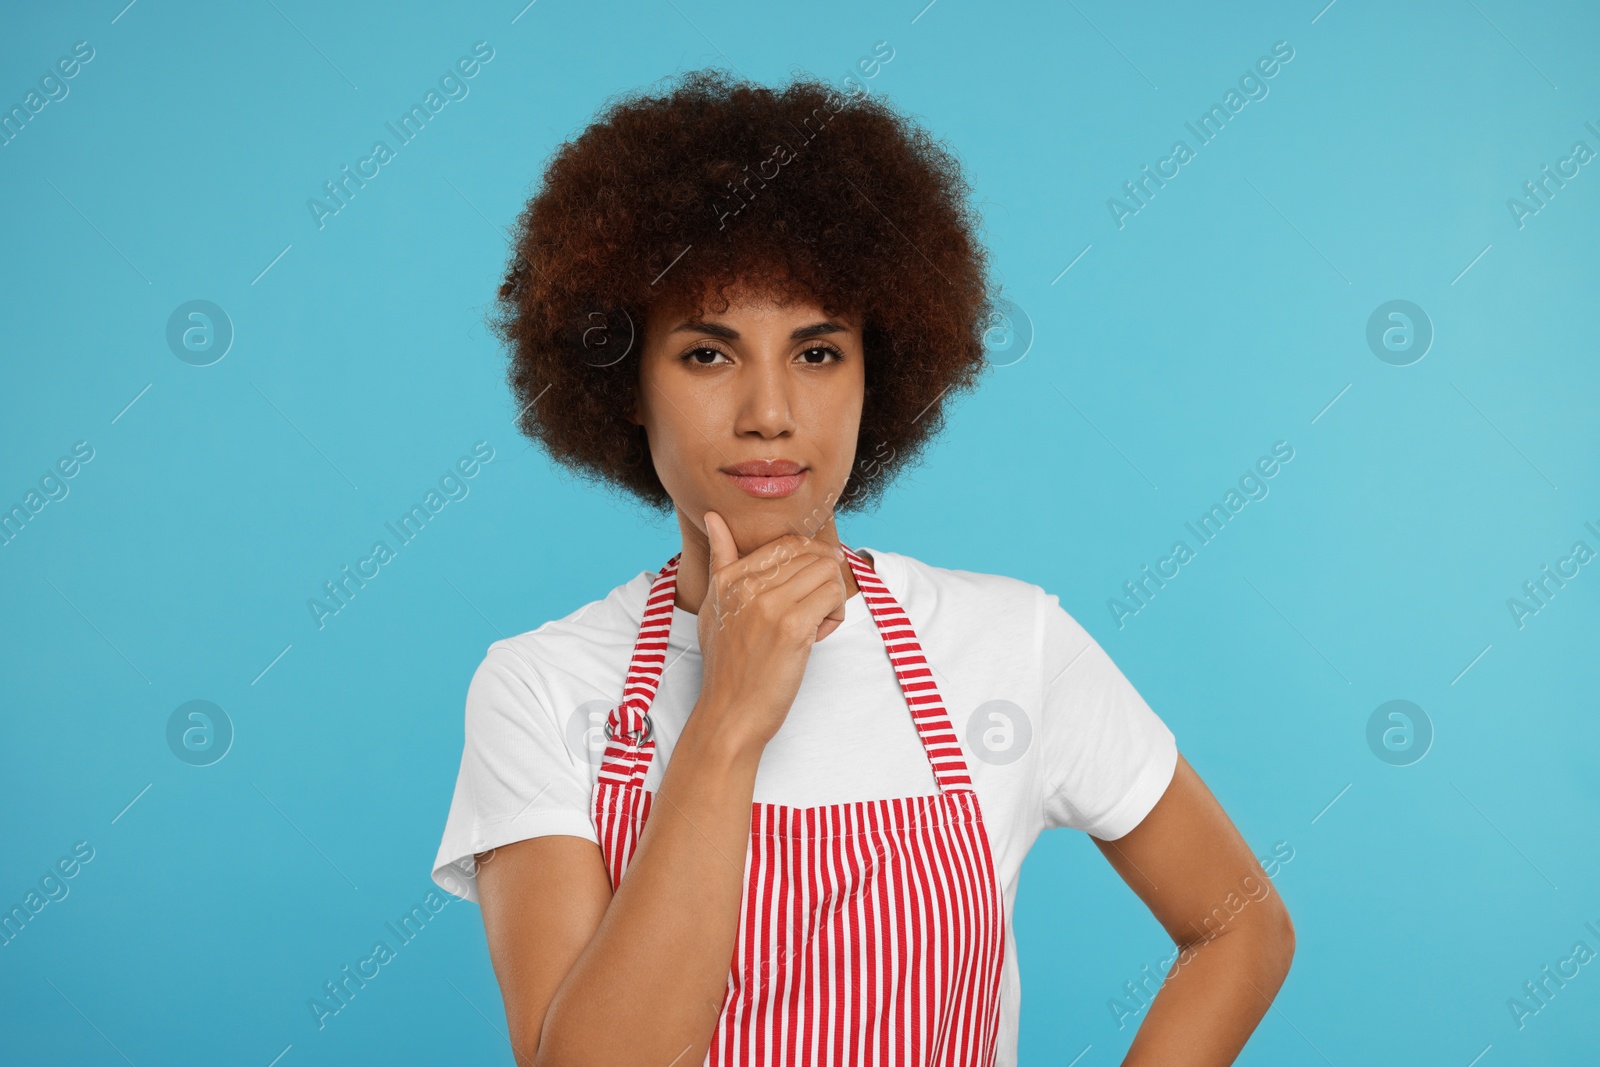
pixel 769 802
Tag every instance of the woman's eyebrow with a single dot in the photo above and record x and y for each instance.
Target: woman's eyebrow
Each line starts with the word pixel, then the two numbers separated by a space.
pixel 715 329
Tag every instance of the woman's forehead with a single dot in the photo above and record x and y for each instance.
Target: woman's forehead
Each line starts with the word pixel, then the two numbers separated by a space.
pixel 744 299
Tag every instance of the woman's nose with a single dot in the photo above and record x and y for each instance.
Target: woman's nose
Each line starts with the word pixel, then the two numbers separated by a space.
pixel 766 405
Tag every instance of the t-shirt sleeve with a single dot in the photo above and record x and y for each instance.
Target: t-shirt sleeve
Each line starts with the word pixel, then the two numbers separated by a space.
pixel 518 777
pixel 1108 757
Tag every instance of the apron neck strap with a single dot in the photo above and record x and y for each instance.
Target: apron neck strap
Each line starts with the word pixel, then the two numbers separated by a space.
pixel 630 734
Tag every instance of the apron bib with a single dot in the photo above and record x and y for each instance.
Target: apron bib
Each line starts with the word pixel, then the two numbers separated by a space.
pixel 870 932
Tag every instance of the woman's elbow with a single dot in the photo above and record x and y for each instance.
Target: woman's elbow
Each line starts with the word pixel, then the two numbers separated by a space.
pixel 526 1044
pixel 1277 938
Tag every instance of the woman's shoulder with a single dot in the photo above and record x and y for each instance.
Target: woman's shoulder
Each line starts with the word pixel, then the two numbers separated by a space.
pixel 589 639
pixel 939 590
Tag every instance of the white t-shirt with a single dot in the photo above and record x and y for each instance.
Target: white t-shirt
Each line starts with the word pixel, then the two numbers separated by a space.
pixel 1052 733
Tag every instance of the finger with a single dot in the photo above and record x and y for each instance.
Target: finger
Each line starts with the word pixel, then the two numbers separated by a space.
pixel 820 600
pixel 813 573
pixel 773 563
pixel 802 553
pixel 723 549
pixel 838 613
pixel 833 620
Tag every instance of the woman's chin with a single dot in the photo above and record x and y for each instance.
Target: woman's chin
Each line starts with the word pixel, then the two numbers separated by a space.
pixel 760 522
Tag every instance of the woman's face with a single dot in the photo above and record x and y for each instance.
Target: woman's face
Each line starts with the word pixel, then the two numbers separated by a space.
pixel 762 382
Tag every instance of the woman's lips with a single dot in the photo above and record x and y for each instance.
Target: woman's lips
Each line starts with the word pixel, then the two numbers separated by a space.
pixel 768 485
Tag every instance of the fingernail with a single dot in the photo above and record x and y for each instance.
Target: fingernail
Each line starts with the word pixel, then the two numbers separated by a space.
pixel 838 550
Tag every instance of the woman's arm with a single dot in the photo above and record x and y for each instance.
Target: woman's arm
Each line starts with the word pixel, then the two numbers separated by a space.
pixel 598 979
pixel 639 977
pixel 1189 864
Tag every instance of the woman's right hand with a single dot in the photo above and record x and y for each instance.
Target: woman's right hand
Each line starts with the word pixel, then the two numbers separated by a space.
pixel 760 616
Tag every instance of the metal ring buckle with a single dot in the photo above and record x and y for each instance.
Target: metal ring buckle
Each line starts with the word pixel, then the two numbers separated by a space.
pixel 649 730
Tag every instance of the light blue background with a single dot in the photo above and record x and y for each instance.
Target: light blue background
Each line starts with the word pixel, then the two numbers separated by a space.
pixel 1225 316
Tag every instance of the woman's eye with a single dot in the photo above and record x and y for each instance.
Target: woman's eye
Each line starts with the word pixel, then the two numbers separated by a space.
pixel 694 355
pixel 706 356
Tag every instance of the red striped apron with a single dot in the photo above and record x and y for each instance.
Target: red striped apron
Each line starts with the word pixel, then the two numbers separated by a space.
pixel 870 932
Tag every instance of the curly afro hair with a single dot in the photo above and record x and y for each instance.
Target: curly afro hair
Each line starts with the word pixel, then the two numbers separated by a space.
pixel 714 182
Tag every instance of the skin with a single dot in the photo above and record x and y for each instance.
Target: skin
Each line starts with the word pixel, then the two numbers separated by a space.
pixel 591 978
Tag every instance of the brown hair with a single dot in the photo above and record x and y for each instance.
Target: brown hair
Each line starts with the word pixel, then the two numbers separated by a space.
pixel 716 181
